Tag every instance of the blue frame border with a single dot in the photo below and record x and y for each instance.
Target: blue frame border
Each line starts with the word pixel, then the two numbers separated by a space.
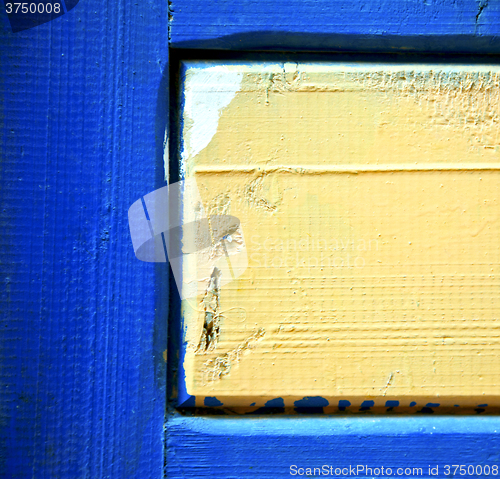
pixel 83 109
pixel 265 446
pixel 83 112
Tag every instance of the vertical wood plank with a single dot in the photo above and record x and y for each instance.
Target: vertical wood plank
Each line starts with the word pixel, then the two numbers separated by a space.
pixel 83 113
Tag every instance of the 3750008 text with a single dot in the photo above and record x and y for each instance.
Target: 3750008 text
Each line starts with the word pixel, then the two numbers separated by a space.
pixel 471 470
pixel 33 7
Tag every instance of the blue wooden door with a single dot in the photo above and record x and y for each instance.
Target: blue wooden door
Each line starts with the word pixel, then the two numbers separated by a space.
pixel 425 444
pixel 83 324
pixel 84 114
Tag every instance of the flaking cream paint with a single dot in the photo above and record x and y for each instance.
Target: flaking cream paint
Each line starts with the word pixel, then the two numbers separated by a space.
pixel 207 92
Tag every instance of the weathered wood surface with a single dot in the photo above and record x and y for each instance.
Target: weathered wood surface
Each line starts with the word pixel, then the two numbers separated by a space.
pixel 266 448
pixel 382 25
pixel 83 113
pixel 367 196
pixel 83 108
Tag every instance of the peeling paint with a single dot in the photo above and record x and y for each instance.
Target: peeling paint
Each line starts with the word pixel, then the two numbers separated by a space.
pixel 390 382
pixel 220 366
pixel 207 91
pixel 254 197
pixel 166 157
pixel 211 325
pixel 482 4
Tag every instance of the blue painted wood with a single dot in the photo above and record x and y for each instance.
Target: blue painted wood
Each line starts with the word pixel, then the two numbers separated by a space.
pixel 83 108
pixel 266 447
pixel 235 447
pixel 82 116
pixel 440 26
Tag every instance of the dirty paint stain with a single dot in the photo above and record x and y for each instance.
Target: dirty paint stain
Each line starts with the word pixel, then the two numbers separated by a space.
pixel 221 366
pixel 276 402
pixel 212 402
pixel 211 325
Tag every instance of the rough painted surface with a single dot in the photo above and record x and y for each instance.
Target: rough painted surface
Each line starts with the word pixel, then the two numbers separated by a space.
pixel 266 447
pixel 209 91
pixel 368 196
pixel 382 25
pixel 82 120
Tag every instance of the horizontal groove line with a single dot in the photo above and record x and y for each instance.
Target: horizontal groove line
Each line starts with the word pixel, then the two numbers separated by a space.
pixel 296 169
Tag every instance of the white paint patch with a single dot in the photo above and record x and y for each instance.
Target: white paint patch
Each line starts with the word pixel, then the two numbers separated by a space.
pixel 166 157
pixel 207 92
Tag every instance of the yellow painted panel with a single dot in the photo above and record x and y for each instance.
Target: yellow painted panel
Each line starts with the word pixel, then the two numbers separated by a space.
pixel 369 202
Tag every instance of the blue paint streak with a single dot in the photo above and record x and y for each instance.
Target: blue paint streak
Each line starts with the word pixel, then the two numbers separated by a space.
pixel 391 403
pixel 311 401
pixel 184 399
pixel 432 404
pixel 413 404
pixel 276 402
pixel 343 404
pixel 212 402
pixel 310 405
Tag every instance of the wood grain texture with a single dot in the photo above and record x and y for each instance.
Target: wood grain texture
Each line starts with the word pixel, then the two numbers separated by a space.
pixel 83 108
pixel 266 448
pixel 82 118
pixel 368 201
pixel 381 25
